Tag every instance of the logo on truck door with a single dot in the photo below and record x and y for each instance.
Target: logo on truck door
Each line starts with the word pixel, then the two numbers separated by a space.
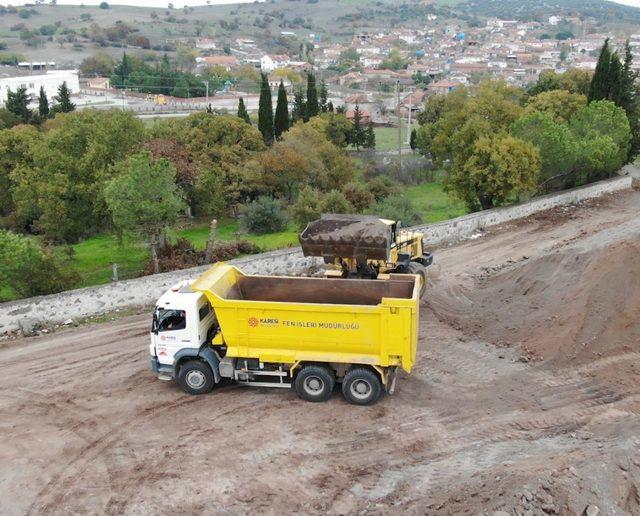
pixel 253 322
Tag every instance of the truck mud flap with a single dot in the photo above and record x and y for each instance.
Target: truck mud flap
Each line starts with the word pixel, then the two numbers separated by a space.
pixel 392 375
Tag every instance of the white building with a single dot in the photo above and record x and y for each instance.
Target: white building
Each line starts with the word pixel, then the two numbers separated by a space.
pixel 271 62
pixel 50 81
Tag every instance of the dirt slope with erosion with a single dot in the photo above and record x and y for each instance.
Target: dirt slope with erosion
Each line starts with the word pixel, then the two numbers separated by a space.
pixel 525 397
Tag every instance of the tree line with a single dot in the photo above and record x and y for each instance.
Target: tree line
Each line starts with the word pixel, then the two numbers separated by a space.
pixel 17 111
pixel 316 103
pixel 498 143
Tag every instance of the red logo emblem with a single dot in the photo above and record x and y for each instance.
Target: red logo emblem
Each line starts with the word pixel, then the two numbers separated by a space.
pixel 253 322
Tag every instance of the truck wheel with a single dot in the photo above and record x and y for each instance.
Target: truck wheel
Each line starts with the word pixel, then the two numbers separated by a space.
pixel 195 377
pixel 361 386
pixel 314 383
pixel 418 268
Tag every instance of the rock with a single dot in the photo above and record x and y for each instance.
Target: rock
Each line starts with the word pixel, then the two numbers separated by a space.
pixel 68 322
pixel 28 325
pixel 592 510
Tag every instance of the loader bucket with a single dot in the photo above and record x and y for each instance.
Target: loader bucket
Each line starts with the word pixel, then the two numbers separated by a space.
pixel 361 237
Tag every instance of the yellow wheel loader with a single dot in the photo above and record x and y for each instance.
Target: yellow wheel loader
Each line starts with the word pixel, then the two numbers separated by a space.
pixel 365 246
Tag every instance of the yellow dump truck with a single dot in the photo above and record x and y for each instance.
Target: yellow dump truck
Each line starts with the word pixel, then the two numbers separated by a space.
pixel 273 331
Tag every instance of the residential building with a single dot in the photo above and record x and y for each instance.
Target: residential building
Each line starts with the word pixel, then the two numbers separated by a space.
pixel 50 81
pixel 271 62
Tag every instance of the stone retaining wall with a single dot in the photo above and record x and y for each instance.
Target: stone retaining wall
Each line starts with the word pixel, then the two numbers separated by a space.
pixel 80 303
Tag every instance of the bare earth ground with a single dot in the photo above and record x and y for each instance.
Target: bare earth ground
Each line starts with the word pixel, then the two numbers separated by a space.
pixel 525 399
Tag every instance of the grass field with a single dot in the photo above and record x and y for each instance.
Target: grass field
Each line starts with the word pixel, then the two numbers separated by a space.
pixel 387 138
pixel 433 203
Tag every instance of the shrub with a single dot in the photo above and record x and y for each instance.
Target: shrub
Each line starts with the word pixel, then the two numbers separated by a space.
pixel 359 196
pixel 381 187
pixel 182 254
pixel 307 207
pixel 335 202
pixel 264 215
pixel 397 207
pixel 30 270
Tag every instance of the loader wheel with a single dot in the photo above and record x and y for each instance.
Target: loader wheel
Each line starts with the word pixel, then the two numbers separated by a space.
pixel 314 383
pixel 195 377
pixel 418 268
pixel 361 386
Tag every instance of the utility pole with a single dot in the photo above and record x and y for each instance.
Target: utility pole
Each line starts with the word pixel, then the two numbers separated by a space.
pixel 409 116
pixel 206 84
pixel 399 125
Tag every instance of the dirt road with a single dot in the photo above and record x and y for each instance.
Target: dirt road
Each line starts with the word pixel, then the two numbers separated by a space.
pixel 525 397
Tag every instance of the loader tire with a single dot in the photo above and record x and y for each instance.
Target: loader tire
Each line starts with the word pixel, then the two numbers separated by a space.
pixel 195 377
pixel 418 268
pixel 361 386
pixel 314 383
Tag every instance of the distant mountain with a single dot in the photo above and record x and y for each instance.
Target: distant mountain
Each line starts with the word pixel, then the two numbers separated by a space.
pixel 178 4
pixel 540 10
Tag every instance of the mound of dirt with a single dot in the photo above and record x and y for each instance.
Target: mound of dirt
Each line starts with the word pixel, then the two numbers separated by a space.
pixel 565 307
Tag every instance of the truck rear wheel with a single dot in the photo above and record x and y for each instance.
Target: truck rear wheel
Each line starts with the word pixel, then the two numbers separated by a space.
pixel 361 386
pixel 314 383
pixel 418 268
pixel 196 377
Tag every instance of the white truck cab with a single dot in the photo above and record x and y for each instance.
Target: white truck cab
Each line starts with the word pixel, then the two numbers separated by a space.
pixel 182 327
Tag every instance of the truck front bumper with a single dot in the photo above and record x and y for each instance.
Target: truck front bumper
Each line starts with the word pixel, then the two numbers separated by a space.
pixel 165 372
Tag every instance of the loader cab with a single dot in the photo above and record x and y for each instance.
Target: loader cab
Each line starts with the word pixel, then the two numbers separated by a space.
pixel 182 319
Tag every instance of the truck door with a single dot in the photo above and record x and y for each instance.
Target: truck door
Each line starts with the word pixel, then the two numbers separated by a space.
pixel 172 334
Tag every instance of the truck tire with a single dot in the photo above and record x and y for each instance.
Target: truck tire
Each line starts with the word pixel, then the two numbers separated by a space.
pixel 195 377
pixel 361 386
pixel 418 268
pixel 314 383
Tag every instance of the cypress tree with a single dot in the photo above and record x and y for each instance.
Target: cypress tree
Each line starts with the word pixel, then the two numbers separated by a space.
pixel 18 104
pixel 265 111
pixel 357 133
pixel 282 112
pixel 601 82
pixel 64 99
pixel 413 140
pixel 369 137
pixel 330 107
pixel 242 111
pixel 312 98
pixel 324 94
pixel 43 104
pixel 298 112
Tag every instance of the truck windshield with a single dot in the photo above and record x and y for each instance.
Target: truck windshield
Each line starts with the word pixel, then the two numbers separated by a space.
pixel 169 320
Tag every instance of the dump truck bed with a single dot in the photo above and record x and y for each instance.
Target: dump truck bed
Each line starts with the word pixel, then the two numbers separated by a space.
pixel 292 319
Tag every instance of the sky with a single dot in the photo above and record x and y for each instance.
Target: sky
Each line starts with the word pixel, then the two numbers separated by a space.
pixel 634 3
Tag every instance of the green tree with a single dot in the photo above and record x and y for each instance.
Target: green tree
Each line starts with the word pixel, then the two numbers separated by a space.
pixel 358 135
pixel 324 95
pixel 312 106
pixel 60 189
pixel 143 197
pixel 281 123
pixel 606 76
pixel 413 140
pixel 307 207
pixel 29 270
pixel 264 215
pixel 121 72
pixel 499 169
pixel 397 207
pixel 555 142
pixel 43 104
pixel 369 137
pixel 299 109
pixel 560 104
pixel 335 202
pixel 603 119
pixel 265 111
pixel 242 111
pixel 18 104
pixel 64 99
